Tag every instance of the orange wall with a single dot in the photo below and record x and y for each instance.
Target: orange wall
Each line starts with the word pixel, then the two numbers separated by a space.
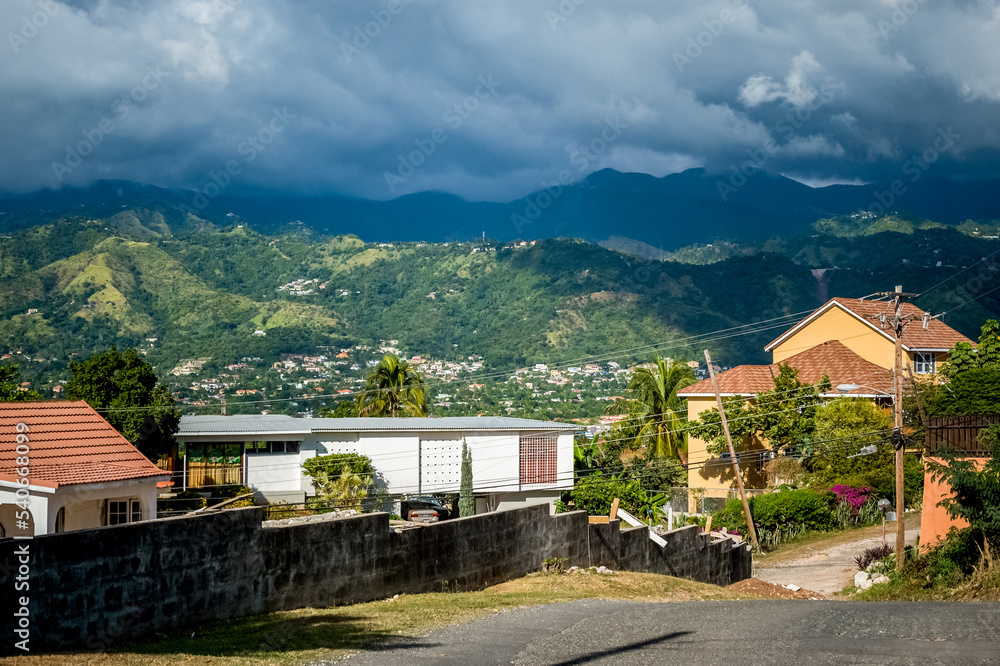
pixel 835 324
pixel 934 520
pixel 718 479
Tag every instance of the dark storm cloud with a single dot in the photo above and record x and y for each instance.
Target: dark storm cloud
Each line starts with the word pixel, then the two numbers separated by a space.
pixel 485 99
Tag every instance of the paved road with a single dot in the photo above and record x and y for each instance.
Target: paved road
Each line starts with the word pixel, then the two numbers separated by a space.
pixel 828 569
pixel 742 633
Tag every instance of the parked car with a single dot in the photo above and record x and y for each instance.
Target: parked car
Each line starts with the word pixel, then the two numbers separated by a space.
pixel 424 509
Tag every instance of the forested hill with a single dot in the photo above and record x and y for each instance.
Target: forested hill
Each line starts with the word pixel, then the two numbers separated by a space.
pixel 668 213
pixel 75 285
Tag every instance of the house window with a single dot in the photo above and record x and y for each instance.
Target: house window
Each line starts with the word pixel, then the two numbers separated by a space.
pixel 923 363
pixel 728 459
pixel 61 520
pixel 213 463
pixel 272 447
pixel 538 459
pixel 762 459
pixel 121 512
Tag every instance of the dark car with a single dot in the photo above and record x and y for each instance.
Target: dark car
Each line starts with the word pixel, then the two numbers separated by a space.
pixel 430 509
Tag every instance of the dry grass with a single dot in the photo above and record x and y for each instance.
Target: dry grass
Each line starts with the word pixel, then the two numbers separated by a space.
pixel 296 636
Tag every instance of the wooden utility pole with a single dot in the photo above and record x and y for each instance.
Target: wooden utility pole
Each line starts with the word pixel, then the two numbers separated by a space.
pixel 732 453
pixel 898 297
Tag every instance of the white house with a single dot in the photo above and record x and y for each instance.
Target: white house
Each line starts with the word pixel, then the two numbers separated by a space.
pixel 514 461
pixel 80 472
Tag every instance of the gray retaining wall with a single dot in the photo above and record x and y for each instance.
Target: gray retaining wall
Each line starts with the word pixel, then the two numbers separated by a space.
pixel 94 588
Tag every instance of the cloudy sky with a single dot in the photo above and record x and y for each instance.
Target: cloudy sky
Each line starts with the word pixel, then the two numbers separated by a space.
pixel 489 99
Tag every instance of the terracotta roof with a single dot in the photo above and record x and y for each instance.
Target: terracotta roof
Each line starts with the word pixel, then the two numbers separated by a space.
pixel 830 359
pixel 69 444
pixel 937 335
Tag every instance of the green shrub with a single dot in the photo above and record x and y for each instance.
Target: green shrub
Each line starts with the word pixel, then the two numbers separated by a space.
pixel 595 493
pixel 808 509
pixel 333 463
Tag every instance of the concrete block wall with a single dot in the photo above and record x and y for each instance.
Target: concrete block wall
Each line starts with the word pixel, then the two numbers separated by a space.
pixel 92 589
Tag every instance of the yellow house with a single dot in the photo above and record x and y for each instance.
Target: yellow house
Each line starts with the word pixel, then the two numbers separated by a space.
pixel 845 340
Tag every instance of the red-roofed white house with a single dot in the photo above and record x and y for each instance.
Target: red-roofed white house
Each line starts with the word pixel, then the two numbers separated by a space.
pixel 81 473
pixel 843 339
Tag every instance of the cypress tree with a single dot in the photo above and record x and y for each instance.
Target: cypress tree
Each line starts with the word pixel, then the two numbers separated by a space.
pixel 466 502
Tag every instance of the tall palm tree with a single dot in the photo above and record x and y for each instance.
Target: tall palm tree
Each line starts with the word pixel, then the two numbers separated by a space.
pixel 394 388
pixel 655 413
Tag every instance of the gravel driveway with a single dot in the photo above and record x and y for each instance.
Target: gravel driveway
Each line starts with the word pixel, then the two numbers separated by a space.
pixel 827 569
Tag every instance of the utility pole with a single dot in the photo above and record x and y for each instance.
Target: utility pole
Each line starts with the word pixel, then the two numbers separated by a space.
pixel 898 323
pixel 732 453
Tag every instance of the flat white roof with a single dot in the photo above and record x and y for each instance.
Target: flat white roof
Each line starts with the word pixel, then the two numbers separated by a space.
pixel 276 424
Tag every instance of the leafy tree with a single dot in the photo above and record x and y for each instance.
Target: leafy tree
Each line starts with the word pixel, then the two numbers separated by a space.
pixel 986 354
pixel 10 386
pixel 596 492
pixel 587 456
pixel 975 492
pixel 970 393
pixel 394 388
pixel 655 413
pixel 783 416
pixel 466 502
pixel 123 388
pixel 852 423
pixel 344 409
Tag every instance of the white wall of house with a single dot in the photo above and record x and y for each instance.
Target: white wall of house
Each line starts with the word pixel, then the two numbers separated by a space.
pixel 38 506
pixel 415 462
pixel 272 473
pixel 83 503
pixel 396 456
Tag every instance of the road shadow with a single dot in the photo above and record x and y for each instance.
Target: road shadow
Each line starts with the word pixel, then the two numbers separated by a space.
pixel 264 636
pixel 624 649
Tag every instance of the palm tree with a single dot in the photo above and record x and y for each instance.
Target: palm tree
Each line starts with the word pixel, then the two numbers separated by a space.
pixel 655 413
pixel 394 388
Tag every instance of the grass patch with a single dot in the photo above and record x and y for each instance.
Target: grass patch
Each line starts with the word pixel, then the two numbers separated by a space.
pixel 293 637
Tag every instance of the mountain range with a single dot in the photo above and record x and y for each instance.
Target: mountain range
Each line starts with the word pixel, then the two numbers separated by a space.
pixel 665 213
pixel 179 287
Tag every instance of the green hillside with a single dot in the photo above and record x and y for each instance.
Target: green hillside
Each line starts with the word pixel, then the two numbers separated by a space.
pixel 203 291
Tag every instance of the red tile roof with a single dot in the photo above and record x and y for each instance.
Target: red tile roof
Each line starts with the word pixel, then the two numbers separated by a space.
pixel 937 335
pixel 830 359
pixel 69 444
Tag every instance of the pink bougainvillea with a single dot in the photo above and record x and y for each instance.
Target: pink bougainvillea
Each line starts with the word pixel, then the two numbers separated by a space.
pixel 854 497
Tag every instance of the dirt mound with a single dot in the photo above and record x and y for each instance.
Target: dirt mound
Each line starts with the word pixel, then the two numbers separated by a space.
pixel 771 591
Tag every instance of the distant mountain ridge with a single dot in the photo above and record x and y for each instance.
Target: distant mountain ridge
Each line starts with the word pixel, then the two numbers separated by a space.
pixel 666 213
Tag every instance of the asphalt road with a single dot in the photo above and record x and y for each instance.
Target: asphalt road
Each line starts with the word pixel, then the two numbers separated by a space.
pixel 740 633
